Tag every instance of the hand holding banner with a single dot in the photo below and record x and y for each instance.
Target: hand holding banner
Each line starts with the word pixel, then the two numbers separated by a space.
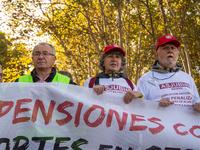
pixel 51 116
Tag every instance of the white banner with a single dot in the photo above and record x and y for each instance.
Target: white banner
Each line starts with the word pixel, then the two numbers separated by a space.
pixel 56 116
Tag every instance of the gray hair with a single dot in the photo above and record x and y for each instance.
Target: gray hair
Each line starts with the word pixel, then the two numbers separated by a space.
pixel 43 43
pixel 0 66
pixel 117 52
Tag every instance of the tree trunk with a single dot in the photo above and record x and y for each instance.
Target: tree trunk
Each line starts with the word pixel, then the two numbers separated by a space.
pixel 163 14
pixel 184 62
pixel 150 17
pixel 120 32
pixel 187 57
pixel 104 24
pixel 120 26
pixel 137 74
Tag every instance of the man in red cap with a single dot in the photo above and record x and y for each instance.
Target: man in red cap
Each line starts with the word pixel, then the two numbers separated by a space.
pixel 166 83
pixel 112 63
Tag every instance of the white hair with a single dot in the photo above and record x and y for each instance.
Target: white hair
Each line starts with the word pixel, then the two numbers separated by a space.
pixel 43 43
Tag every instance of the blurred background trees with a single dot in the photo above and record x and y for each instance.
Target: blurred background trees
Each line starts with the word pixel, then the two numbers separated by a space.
pixel 80 30
pixel 15 58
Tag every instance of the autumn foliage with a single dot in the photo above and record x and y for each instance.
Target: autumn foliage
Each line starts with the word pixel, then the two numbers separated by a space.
pixel 81 29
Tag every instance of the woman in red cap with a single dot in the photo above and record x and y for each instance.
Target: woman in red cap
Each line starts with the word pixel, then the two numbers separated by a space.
pixel 112 63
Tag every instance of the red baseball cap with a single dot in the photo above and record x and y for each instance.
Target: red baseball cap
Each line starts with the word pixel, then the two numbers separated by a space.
pixel 166 39
pixel 113 47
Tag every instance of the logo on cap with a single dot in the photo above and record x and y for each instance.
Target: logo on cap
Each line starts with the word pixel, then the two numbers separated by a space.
pixel 115 45
pixel 168 37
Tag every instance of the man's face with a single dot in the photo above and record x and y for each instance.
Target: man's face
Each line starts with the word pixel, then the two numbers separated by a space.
pixel 1 75
pixel 112 63
pixel 167 55
pixel 43 61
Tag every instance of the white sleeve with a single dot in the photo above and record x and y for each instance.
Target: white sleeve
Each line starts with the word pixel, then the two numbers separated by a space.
pixel 141 87
pixel 86 84
pixel 196 94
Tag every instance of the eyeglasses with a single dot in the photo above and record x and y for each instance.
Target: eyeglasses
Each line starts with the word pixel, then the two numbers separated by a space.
pixel 44 54
pixel 1 75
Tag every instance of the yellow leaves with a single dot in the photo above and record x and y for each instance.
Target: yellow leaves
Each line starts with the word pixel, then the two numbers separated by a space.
pixel 17 63
pixel 80 33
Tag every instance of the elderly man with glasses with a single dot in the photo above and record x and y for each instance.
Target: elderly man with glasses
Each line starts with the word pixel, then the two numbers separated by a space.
pixel 43 57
